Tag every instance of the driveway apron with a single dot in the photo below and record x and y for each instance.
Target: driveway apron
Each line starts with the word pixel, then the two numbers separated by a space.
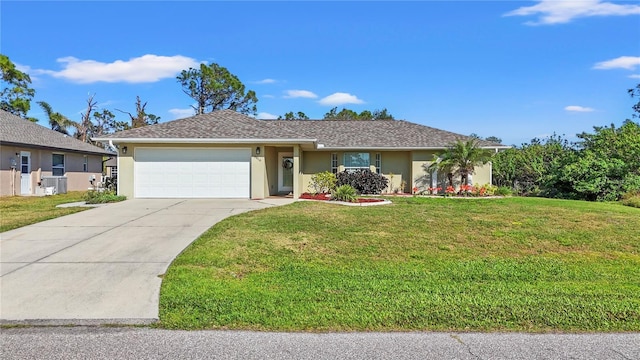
pixel 103 265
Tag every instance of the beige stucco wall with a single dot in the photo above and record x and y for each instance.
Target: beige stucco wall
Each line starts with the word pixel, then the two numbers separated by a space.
pixel 271 161
pixel 314 162
pixel 482 175
pixel 396 162
pixel 422 179
pixel 419 160
pixel 273 164
pixel 6 184
pixel 41 161
pixel 264 167
pixel 404 165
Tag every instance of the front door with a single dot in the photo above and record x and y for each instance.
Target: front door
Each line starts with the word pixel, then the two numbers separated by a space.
pixel 25 173
pixel 285 172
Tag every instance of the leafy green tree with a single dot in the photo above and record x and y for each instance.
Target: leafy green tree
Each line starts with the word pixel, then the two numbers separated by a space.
pixel 141 118
pixel 16 94
pixel 635 92
pixel 530 168
pixel 294 116
pixel 493 139
pixel 344 114
pixel 104 122
pixel 347 114
pixel 213 88
pixel 607 163
pixel 461 158
pixel 57 121
pixel 383 114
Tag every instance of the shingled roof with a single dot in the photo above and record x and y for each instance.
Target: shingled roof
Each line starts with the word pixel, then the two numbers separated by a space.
pixel 337 134
pixel 330 134
pixel 222 124
pixel 15 130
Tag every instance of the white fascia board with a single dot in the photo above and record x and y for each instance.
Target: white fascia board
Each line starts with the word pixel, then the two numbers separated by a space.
pixel 339 148
pixel 333 148
pixel 205 141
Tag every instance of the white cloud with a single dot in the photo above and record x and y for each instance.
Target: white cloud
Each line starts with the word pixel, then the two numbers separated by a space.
pixel 300 94
pixel 577 108
pixel 182 113
pixel 268 96
pixel 265 81
pixel 622 62
pixel 33 73
pixel 24 68
pixel 634 76
pixel 144 69
pixel 266 115
pixel 560 12
pixel 340 98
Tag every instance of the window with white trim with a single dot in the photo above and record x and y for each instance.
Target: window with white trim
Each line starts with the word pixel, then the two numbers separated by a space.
pixel 57 164
pixel 114 171
pixel 334 163
pixel 378 164
pixel 356 161
pixel 85 163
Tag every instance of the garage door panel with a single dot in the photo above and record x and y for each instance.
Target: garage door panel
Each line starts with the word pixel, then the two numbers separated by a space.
pixel 164 172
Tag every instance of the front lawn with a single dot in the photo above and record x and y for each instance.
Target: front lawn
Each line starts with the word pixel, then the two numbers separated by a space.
pixel 18 211
pixel 513 264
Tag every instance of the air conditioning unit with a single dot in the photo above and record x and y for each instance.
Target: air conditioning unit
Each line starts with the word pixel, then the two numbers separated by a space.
pixel 58 183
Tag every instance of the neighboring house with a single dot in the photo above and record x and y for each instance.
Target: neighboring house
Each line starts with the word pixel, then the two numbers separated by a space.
pixel 111 167
pixel 225 154
pixel 30 152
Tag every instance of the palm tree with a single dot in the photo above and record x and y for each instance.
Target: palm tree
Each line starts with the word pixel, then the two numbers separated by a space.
pixel 442 166
pixel 58 122
pixel 461 159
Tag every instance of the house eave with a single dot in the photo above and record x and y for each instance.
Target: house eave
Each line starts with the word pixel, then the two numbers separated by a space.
pixel 205 141
pixel 55 148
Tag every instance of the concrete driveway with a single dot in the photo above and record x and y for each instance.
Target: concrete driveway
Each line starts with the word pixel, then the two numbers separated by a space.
pixel 103 265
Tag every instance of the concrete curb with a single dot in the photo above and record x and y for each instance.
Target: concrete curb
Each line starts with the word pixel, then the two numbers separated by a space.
pixel 80 204
pixel 383 202
pixel 78 322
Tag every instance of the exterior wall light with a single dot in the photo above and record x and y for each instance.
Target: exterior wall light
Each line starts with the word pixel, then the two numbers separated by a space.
pixel 258 150
pixel 124 150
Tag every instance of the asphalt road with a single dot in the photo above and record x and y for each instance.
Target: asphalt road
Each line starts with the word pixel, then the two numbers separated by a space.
pixel 145 343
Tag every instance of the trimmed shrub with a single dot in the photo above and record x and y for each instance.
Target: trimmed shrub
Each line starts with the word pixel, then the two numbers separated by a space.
pixel 632 199
pixel 102 197
pixel 344 193
pixel 364 181
pixel 324 182
pixel 504 191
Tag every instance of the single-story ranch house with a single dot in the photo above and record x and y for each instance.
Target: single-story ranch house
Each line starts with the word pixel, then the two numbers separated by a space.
pixel 30 152
pixel 225 154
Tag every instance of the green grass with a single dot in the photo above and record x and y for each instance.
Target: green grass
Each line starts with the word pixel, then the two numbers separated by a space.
pixel 18 211
pixel 514 264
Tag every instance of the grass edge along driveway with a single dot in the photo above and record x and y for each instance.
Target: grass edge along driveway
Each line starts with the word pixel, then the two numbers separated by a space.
pixel 514 264
pixel 19 211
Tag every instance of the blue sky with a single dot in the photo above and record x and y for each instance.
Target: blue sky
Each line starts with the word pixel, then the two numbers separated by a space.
pixel 511 69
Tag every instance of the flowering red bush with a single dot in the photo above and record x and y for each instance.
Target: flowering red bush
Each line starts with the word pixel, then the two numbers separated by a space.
pixel 318 196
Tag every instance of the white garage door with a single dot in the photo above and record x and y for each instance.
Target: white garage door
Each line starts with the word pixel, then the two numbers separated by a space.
pixel 192 173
